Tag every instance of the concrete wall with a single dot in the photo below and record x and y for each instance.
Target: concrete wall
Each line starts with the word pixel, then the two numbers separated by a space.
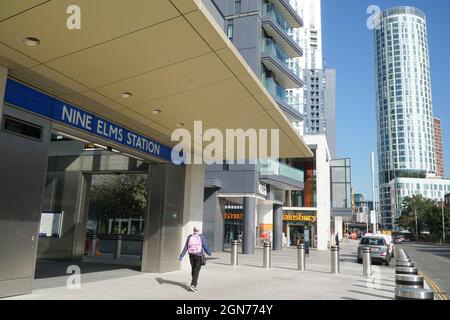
pixel 227 7
pixel 238 179
pixel 20 202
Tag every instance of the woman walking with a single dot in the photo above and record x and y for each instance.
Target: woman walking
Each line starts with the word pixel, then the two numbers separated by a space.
pixel 196 246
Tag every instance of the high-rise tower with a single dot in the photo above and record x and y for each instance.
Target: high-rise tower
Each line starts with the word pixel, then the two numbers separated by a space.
pixel 403 101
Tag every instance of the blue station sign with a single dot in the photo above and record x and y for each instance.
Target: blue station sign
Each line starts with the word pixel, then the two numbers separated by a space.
pixel 20 95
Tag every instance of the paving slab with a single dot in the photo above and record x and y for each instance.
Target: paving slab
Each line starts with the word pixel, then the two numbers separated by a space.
pixel 220 281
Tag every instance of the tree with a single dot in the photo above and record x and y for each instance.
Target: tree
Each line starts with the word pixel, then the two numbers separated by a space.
pixel 429 216
pixel 122 195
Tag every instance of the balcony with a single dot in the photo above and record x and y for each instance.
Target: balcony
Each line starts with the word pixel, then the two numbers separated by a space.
pixel 277 28
pixel 281 97
pixel 280 175
pixel 275 59
pixel 288 12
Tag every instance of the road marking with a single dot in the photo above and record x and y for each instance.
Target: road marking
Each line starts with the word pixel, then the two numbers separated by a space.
pixel 434 286
pixel 437 257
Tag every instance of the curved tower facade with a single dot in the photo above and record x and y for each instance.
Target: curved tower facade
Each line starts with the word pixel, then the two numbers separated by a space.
pixel 403 101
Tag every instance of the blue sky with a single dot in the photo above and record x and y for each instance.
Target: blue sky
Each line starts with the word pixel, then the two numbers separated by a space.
pixel 348 48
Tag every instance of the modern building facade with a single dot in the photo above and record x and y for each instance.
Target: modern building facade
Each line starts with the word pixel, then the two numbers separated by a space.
pixel 318 96
pixel 431 188
pixel 403 101
pixel 248 198
pixel 447 200
pixel 439 151
pixel 341 194
pixel 57 81
pixel 320 105
pixel 362 209
pixel 308 211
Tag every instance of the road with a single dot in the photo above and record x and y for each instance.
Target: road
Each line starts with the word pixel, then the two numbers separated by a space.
pixel 431 260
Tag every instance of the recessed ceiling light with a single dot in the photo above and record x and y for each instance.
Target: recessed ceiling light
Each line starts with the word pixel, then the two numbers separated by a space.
pixel 31 42
pixel 180 124
pixel 126 95
pixel 156 111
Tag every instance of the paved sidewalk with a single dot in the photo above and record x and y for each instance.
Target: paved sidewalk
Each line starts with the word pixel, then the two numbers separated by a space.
pixel 219 281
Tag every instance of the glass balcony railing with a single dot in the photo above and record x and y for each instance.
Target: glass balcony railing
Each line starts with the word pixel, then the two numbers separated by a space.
pixel 269 11
pixel 269 46
pixel 279 93
pixel 270 167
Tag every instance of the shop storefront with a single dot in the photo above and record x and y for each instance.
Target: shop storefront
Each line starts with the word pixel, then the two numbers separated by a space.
pixel 300 227
pixel 297 225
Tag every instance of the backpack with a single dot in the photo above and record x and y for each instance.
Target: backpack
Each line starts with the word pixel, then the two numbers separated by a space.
pixel 195 244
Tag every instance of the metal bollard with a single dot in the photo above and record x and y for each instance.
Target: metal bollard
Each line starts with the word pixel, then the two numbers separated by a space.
pixel 403 260
pixel 406 270
pixel 267 263
pixel 408 281
pixel 404 264
pixel 118 250
pixel 301 257
pixel 234 252
pixel 367 262
pixel 413 294
pixel 335 259
pixel 93 246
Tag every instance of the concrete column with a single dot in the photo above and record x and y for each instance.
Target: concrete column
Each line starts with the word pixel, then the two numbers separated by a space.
pixel 3 78
pixel 323 190
pixel 213 222
pixel 194 187
pixel 175 207
pixel 277 227
pixel 337 227
pixel 264 214
pixel 249 225
pixel 164 218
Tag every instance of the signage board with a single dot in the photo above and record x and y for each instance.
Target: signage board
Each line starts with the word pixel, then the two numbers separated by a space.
pixel 22 96
pixel 51 224
pixel 262 189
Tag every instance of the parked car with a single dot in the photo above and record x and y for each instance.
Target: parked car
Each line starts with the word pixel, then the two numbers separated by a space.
pixel 379 249
pixel 388 239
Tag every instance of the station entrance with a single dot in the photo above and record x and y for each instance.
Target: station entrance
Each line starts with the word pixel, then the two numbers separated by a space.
pixel 100 196
pixel 63 182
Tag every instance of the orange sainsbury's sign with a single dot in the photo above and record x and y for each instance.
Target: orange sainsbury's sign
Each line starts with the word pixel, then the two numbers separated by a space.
pixel 299 217
pixel 286 217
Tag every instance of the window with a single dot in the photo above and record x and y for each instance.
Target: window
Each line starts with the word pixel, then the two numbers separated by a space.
pixel 230 31
pixel 22 128
pixel 237 6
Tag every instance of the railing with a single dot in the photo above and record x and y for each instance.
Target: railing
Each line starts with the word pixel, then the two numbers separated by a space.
pixel 273 167
pixel 279 93
pixel 269 10
pixel 269 46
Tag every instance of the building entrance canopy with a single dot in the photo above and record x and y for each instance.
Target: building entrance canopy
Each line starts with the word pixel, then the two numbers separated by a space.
pixel 153 66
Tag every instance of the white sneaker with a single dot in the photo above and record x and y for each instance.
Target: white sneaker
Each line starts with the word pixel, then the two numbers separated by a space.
pixel 194 289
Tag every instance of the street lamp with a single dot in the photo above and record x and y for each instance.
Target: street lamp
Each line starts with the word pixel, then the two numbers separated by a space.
pixel 417 231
